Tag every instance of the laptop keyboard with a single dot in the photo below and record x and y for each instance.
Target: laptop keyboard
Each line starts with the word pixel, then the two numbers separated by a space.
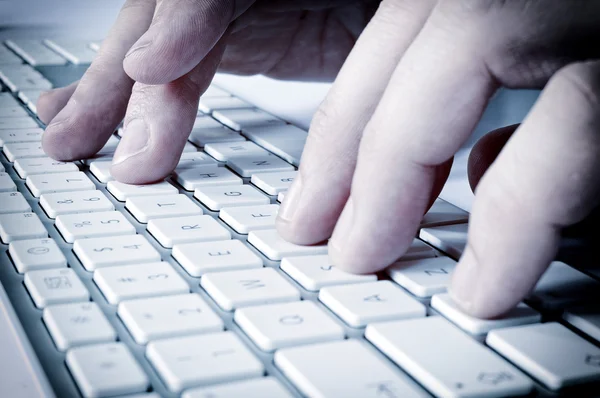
pixel 184 287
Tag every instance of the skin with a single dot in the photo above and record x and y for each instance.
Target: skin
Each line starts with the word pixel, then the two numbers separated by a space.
pixel 415 79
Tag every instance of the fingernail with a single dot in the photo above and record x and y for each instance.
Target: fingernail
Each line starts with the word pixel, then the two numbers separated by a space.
pixel 138 45
pixel 343 228
pixel 465 281
pixel 135 141
pixel 292 198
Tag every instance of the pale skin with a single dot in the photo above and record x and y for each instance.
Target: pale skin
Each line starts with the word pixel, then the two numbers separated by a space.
pixel 412 78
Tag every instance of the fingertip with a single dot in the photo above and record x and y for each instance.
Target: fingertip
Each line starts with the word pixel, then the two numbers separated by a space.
pixel 51 102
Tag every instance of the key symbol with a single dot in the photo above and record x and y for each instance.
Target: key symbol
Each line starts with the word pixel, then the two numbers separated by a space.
pixel 252 284
pixel 431 272
pixel 494 378
pixel 374 298
pixel 188 311
pixel 80 319
pixel 188 227
pixel 82 224
pixel 291 320
pixel 157 276
pixel 126 280
pixel 383 389
pixel 326 268
pixel 38 250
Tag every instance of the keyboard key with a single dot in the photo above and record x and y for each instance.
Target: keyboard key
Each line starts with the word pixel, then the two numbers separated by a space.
pixel 316 272
pixel 23 150
pixel 240 119
pixel 17 123
pixel 137 281
pixel 198 177
pixel 424 277
pixel 250 218
pixel 520 315
pixel 443 213
pixel 28 167
pixel 185 362
pixel 40 184
pixel 20 135
pixel 227 255
pixel 55 204
pixel 586 320
pixel 30 98
pixel 172 231
pixel 122 191
pixel 15 111
pixel 418 250
pixel 274 183
pixel 6 183
pixel 348 368
pixel 264 387
pixel 225 151
pixel 235 289
pixel 550 352
pixel 93 225
pixel 450 239
pixel 364 303
pixel 7 57
pixel 55 286
pixel 75 51
pixel 20 226
pixel 202 136
pixel 205 122
pixel 146 208
pixel 23 77
pixel 276 326
pixel 269 243
pixel 104 370
pixel 218 197
pixel 195 159
pixel 208 105
pixel 285 141
pixel 426 347
pixel 77 324
pixel 36 254
pixel 13 202
pixel 115 250
pixel 101 170
pixel 162 317
pixel 34 52
pixel 246 166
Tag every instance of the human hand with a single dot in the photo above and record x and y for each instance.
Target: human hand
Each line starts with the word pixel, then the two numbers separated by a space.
pixel 161 55
pixel 411 92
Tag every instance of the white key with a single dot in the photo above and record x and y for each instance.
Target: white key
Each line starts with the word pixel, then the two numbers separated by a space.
pixel 184 362
pixel 450 239
pixel 586 320
pixel 40 184
pixel 235 289
pixel 6 183
pixel 146 208
pixel 137 281
pixel 20 135
pixel 205 122
pixel 520 315
pixel 20 226
pixel 23 77
pixel 276 326
pixel 55 204
pixel 115 250
pixel 7 57
pixel 103 370
pixel 123 191
pixel 202 136
pixel 101 170
pixel 214 91
pixel 316 272
pixel 424 277
pixel 29 167
pixel 173 231
pixel 208 105
pixel 348 368
pixel 225 151
pixel 23 150
pixel 76 324
pixel 218 197
pixel 16 123
pixel 443 213
pixel 250 218
pixel 418 250
pixel 34 52
pixel 55 286
pixel 549 352
pixel 171 316
pixel 562 286
pixel 269 243
pixel 36 254
pixel 364 303
pixel 227 255
pixel 76 51
pixel 30 98
pixel 13 202
pixel 426 347
pixel 93 225
pixel 16 111
pixel 274 183
pixel 285 141
pixel 241 119
pixel 198 177
pixel 264 387
pixel 247 166
pixel 195 159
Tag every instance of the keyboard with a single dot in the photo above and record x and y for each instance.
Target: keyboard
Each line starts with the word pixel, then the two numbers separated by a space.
pixel 184 288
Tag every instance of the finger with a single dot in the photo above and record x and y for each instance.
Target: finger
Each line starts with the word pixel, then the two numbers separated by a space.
pixel 51 102
pixel 159 121
pixel 98 104
pixel 545 179
pixel 329 157
pixel 181 34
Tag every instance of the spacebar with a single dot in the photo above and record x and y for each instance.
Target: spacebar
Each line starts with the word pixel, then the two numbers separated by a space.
pixel 20 372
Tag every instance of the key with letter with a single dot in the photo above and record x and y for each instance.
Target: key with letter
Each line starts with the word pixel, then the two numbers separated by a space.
pixel 123 191
pixel 240 119
pixel 225 151
pixel 269 243
pixel 172 231
pixel 244 219
pixel 249 165
pixel 218 197
pixel 191 178
pixel 274 183
pixel 115 250
pixel 424 277
pixel 146 208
